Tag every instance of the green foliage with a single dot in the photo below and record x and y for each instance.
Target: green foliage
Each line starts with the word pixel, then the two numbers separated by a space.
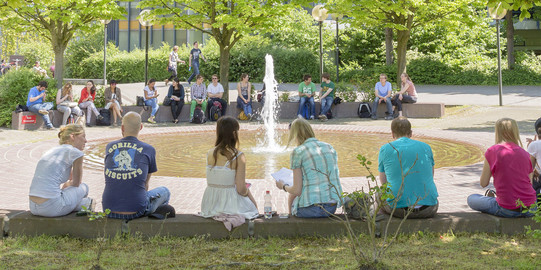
pixel 284 97
pixel 364 46
pixel 346 92
pixel 80 48
pixel 37 50
pixel 14 88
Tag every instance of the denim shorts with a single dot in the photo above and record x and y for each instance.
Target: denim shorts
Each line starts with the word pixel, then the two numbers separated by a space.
pixel 318 210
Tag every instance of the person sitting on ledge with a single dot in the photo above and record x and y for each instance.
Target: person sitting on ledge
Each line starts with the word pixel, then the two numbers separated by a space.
pixel 35 103
pixel 151 99
pixel 113 100
pixel 407 93
pixel 176 94
pixel 307 89
pixel 62 165
pixel 65 104
pixel 316 181
pixel 408 166
pixel 215 91
pixel 383 90
pixel 512 169
pixel 226 191
pixel 199 95
pixel 129 164
pixel 86 101
pixel 534 148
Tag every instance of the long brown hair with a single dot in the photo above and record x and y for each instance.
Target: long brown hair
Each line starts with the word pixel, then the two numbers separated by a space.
pixel 93 89
pixel 227 138
pixel 66 89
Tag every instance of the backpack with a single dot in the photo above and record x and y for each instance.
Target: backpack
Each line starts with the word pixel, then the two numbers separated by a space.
pixel 306 111
pixel 364 110
pixel 198 116
pixel 106 121
pixel 329 114
pixel 243 116
pixel 215 111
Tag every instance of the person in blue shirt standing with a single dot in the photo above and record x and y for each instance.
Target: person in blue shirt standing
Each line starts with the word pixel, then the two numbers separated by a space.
pixel 383 94
pixel 35 103
pixel 195 53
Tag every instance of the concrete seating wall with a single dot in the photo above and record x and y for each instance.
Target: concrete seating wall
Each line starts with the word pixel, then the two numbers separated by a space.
pixel 288 110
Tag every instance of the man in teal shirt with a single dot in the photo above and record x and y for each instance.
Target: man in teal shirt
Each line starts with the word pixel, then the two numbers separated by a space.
pixel 307 89
pixel 327 95
pixel 413 159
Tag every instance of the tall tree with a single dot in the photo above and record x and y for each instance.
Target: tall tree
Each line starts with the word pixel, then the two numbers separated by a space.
pixel 225 21
pixel 510 33
pixel 389 46
pixel 403 16
pixel 58 20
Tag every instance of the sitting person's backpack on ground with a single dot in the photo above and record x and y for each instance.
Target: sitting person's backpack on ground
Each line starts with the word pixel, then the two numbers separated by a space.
pixel 106 118
pixel 364 110
pixel 198 115
pixel 215 111
pixel 329 114
pixel 306 111
pixel 243 116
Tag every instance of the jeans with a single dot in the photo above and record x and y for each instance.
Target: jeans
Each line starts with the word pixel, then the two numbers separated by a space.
pixel 195 68
pixel 387 101
pixel 312 105
pixel 425 211
pixel 316 210
pixel 66 110
pixel 156 198
pixel 153 103
pixel 71 199
pixel 326 104
pixel 42 106
pixel 90 107
pixel 194 104
pixel 173 73
pixel 247 107
pixel 176 108
pixel 224 104
pixel 489 205
pixel 405 99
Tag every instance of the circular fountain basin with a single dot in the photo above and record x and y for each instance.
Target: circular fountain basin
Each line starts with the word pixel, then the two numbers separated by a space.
pixel 184 154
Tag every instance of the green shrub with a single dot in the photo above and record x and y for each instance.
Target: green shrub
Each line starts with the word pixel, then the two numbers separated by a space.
pixel 37 51
pixel 14 88
pixel 346 92
pixel 79 49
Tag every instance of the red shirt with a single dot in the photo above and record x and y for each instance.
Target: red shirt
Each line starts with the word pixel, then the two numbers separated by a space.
pixel 85 94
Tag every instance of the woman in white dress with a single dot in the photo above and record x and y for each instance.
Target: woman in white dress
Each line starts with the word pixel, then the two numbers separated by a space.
pixel 226 191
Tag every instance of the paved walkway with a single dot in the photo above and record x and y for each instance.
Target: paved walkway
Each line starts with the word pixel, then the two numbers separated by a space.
pixel 20 150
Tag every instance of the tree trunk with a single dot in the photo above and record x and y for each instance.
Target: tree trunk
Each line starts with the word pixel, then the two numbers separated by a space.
pixel 510 40
pixel 389 46
pixel 224 70
pixel 403 37
pixel 59 65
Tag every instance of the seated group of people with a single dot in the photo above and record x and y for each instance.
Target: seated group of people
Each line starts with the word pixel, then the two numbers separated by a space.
pixel 407 165
pixel 383 92
pixel 66 104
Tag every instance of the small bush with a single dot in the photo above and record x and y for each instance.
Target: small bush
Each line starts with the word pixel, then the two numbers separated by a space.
pixel 14 88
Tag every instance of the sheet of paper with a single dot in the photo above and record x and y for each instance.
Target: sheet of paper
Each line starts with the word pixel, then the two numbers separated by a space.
pixel 285 175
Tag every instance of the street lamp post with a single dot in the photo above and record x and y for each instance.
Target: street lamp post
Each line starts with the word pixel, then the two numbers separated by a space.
pixel 144 21
pixel 105 23
pixel 337 17
pixel 319 13
pixel 497 13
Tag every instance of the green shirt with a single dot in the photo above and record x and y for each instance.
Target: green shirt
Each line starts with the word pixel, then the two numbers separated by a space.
pixel 326 86
pixel 307 89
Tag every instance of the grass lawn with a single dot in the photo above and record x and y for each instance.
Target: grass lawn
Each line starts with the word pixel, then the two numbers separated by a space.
pixel 417 251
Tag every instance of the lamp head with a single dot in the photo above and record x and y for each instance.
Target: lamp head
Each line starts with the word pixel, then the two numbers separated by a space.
pixel 144 19
pixel 497 12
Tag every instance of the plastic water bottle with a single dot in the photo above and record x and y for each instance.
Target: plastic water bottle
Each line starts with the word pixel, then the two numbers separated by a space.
pixel 190 69
pixel 268 205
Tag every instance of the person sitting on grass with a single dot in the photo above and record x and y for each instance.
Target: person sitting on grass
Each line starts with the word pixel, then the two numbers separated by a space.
pixel 113 99
pixel 226 191
pixel 383 90
pixel 151 99
pixel 199 96
pixel 408 166
pixel 35 103
pixel 316 181
pixel 128 165
pixel 512 169
pixel 307 89
pixel 62 165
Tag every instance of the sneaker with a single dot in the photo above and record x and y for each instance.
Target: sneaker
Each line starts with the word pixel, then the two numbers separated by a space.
pixel 323 118
pixel 99 117
pixel 250 117
pixel 312 117
pixel 50 128
pixel 389 117
pixel 374 117
pixel 151 120
pixel 175 121
pixel 44 112
pixel 299 116
pixel 88 125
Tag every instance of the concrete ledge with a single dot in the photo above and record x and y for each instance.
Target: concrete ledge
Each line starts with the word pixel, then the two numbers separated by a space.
pixel 185 225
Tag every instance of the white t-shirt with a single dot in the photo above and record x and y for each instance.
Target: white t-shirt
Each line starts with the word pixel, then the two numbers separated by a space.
pixel 535 150
pixel 150 93
pixel 215 89
pixel 53 169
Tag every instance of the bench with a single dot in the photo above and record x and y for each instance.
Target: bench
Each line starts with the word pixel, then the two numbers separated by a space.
pixel 19 223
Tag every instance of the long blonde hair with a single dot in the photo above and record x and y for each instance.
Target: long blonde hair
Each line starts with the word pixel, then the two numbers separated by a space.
pixel 66 89
pixel 66 131
pixel 507 131
pixel 300 131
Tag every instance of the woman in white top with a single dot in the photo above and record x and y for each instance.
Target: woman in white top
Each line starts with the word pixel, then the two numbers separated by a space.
pixel 65 103
pixel 226 191
pixel 62 165
pixel 151 99
pixel 172 67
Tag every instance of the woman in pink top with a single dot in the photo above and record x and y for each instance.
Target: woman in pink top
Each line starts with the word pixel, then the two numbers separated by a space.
pixel 407 93
pixel 511 168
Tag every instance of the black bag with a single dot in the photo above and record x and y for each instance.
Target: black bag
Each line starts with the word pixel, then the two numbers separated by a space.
pixel 167 101
pixel 140 101
pixel 364 110
pixel 198 115
pixel 329 114
pixel 21 108
pixel 106 121
pixel 215 111
pixel 337 100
